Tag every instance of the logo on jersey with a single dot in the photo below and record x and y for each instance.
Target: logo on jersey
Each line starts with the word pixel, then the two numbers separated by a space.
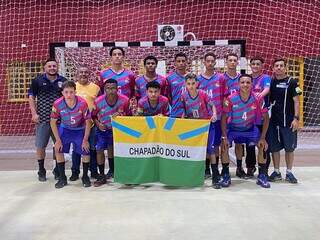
pixel 60 84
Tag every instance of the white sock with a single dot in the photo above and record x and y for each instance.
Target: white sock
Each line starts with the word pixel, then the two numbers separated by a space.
pixel 277 170
pixel 289 170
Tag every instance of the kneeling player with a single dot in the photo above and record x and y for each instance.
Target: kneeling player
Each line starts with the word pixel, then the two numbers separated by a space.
pixel 196 105
pixel 154 103
pixel 110 104
pixel 242 111
pixel 75 121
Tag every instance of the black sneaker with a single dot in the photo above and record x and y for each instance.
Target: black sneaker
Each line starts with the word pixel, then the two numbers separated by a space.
pixel 86 181
pixel 94 175
pixel 42 175
pixel 55 173
pixel 100 181
pixel 61 183
pixel 207 173
pixel 109 174
pixel 216 183
pixel 251 171
pixel 241 173
pixel 74 177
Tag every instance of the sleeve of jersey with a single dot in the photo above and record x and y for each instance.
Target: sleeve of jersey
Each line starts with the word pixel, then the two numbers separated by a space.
pixel 165 111
pixel 33 90
pixel 227 106
pixel 55 113
pixel 295 89
pixel 267 81
pixel 85 111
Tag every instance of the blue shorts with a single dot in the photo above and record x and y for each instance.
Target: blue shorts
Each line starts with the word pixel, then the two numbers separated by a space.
pixel 280 138
pixel 217 133
pixel 211 138
pixel 104 139
pixel 250 137
pixel 75 137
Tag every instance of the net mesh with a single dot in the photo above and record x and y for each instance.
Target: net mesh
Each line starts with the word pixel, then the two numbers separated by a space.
pixel 272 29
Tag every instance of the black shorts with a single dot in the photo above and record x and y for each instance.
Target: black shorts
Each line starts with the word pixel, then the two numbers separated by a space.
pixel 279 138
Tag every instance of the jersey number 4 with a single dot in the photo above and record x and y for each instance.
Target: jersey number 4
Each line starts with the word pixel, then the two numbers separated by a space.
pixel 244 116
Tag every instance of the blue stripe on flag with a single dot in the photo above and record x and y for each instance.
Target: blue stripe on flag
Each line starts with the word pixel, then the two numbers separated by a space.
pixel 193 133
pixel 150 122
pixel 169 124
pixel 126 130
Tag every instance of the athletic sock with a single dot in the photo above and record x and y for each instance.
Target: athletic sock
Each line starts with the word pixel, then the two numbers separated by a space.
pixel 41 165
pixel 239 163
pixel 111 164
pixel 85 166
pixel 101 168
pixel 225 168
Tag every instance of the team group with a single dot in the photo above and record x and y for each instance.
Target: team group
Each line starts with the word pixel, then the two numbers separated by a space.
pixel 80 112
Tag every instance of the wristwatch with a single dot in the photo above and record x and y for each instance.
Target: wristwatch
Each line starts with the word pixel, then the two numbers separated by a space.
pixel 296 117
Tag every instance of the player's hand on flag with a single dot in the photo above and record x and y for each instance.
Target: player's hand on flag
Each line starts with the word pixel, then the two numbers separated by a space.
pixel 58 145
pixel 101 127
pixel 35 118
pixel 85 146
pixel 263 144
pixel 294 125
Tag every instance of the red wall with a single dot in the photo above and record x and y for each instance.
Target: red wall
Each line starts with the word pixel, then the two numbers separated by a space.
pixel 271 28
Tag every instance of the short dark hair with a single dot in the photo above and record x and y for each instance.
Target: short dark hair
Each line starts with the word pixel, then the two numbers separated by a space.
pixel 180 54
pixel 153 84
pixel 50 60
pixel 69 84
pixel 191 76
pixel 231 55
pixel 279 60
pixel 150 58
pixel 115 48
pixel 257 58
pixel 111 80
pixel 245 75
pixel 209 54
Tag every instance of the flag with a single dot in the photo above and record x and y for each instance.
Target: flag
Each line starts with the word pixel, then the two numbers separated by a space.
pixel 152 149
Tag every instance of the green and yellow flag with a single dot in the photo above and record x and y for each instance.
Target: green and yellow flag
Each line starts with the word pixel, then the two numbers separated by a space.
pixel 152 149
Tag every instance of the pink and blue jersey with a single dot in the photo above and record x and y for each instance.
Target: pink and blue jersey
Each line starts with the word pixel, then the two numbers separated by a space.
pixel 125 80
pixel 145 108
pixel 199 107
pixel 261 82
pixel 231 84
pixel 103 111
pixel 242 116
pixel 176 86
pixel 141 83
pixel 214 87
pixel 71 118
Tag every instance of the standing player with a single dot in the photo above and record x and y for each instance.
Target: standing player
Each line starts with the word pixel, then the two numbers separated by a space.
pixel 284 123
pixel 154 103
pixel 150 63
pixel 89 91
pixel 108 105
pixel 197 105
pixel 74 118
pixel 44 90
pixel 176 84
pixel 241 112
pixel 261 88
pixel 213 84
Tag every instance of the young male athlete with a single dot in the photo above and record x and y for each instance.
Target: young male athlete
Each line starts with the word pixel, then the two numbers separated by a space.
pixel 72 114
pixel 197 105
pixel 213 84
pixel 154 103
pixel 261 88
pixel 150 63
pixel 110 104
pixel 176 84
pixel 241 112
